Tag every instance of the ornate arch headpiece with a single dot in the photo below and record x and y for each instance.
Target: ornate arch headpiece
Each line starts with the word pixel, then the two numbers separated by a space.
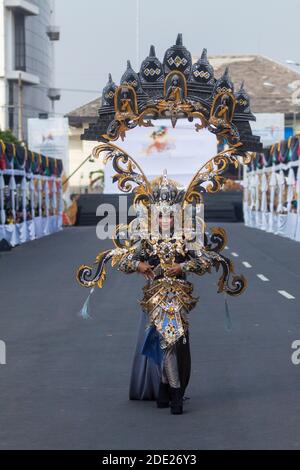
pixel 173 89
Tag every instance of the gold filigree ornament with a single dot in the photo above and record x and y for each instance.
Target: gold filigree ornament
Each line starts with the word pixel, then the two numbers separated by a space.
pixel 173 105
pixel 127 170
pixel 130 177
pixel 211 176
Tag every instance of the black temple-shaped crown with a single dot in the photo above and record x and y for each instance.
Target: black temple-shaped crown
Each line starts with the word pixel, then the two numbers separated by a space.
pixel 224 84
pixel 178 58
pixel 108 93
pixel 131 78
pixel 202 71
pixel 196 92
pixel 242 100
pixel 151 69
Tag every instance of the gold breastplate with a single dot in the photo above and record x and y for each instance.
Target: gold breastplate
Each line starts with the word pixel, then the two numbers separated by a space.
pixel 166 251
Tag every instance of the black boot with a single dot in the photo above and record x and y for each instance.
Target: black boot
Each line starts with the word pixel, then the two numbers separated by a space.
pixel 176 401
pixel 163 400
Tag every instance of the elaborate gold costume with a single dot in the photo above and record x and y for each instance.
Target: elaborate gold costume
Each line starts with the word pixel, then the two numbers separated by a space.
pixel 167 299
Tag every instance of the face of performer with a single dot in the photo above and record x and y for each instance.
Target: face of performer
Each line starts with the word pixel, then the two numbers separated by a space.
pixel 166 223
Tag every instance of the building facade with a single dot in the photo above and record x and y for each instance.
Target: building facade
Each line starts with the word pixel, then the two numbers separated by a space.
pixel 26 62
pixel 79 149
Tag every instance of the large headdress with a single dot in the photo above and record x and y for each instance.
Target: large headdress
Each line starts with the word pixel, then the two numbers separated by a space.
pixel 166 192
pixel 176 88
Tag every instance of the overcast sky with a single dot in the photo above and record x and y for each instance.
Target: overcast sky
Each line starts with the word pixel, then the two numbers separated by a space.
pixel 98 36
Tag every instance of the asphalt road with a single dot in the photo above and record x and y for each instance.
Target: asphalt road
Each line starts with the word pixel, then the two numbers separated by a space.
pixel 65 385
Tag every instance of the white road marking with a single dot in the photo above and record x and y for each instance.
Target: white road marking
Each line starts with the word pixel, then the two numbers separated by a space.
pixel 235 254
pixel 263 278
pixel 226 248
pixel 286 294
pixel 246 264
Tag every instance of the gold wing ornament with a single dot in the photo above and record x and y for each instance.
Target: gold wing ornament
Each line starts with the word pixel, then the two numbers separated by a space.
pixel 130 177
pixel 229 282
pixel 209 179
pixel 211 176
pixel 216 240
pixel 86 275
pixel 210 254
pixel 128 172
pixel 95 276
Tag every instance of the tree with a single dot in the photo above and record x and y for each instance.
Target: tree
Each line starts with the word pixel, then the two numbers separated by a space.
pixel 8 136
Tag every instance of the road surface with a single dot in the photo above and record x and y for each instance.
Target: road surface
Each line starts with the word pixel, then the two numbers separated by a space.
pixel 65 384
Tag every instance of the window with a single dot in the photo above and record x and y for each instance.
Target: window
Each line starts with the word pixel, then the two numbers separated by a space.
pixel 20 46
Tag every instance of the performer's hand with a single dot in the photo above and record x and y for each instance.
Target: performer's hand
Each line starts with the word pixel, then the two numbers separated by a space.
pixel 146 270
pixel 174 271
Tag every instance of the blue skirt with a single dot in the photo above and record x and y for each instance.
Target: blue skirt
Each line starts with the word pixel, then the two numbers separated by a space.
pixel 146 371
pixel 146 374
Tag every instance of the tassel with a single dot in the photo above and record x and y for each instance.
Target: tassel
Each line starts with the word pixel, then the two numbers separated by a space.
pixel 228 317
pixel 84 312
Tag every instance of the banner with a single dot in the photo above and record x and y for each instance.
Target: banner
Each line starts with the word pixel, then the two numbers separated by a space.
pixel 182 151
pixel 50 137
pixel 270 127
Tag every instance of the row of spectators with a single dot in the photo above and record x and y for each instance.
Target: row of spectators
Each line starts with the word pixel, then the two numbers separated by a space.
pixel 18 157
pixel 283 152
pixel 272 189
pixel 31 202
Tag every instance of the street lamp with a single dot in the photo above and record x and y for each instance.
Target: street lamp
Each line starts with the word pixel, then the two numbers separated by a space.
pixel 54 94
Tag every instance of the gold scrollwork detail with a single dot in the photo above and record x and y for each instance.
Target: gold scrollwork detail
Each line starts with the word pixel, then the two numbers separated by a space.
pixel 210 178
pixel 127 170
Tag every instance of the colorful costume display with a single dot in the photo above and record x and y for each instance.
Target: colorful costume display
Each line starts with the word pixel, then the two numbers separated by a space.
pixel 173 89
pixel 167 296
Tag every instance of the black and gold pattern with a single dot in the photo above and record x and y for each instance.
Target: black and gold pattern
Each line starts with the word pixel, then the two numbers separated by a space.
pixel 209 178
pixel 176 89
pixel 163 193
